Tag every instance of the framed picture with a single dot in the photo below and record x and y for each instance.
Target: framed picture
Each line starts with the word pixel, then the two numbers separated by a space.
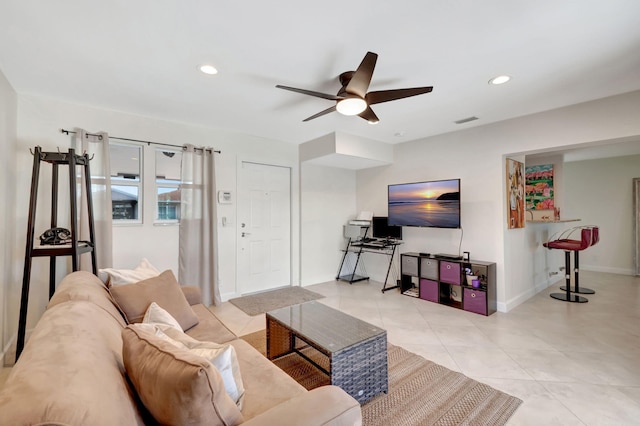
pixel 515 194
pixel 539 187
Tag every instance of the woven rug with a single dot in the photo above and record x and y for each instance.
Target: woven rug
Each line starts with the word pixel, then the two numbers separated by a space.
pixel 260 303
pixel 421 392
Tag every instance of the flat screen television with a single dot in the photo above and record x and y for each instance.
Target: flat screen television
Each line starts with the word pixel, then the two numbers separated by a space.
pixel 434 204
pixel 381 229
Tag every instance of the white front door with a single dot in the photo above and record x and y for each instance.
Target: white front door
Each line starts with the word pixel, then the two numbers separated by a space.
pixel 264 226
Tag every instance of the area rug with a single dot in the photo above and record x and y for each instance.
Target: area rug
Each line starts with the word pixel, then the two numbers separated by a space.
pixel 260 303
pixel 421 392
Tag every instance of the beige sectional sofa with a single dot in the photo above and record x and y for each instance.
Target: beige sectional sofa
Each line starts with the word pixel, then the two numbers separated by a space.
pixel 72 372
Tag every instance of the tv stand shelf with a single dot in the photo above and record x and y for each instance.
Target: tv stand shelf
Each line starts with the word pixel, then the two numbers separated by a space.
pixel 443 281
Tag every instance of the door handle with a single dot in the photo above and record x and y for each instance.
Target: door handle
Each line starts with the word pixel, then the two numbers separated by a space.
pixel 245 234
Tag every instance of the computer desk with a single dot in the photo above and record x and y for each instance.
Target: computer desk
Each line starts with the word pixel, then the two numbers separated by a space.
pixel 378 246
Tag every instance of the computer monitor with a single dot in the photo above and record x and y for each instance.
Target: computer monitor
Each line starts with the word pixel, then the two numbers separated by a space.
pixel 382 229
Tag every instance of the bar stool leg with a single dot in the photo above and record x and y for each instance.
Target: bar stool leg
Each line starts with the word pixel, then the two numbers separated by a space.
pixel 567 296
pixel 577 289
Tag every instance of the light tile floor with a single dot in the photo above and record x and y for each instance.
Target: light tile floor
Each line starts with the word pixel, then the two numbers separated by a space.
pixel 571 364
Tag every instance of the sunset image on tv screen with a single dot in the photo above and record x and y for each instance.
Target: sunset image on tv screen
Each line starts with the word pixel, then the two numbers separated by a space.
pixel 431 204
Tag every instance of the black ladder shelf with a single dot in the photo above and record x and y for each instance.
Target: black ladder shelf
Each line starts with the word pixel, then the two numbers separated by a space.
pixel 75 248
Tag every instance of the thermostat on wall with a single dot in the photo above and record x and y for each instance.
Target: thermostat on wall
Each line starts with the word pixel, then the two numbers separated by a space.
pixel 224 197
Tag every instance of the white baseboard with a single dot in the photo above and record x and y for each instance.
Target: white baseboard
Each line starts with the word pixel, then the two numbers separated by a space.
pixel 319 279
pixel 523 297
pixel 557 279
pixel 619 271
pixel 226 296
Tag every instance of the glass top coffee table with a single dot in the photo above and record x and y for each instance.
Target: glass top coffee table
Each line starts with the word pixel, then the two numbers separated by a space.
pixel 353 353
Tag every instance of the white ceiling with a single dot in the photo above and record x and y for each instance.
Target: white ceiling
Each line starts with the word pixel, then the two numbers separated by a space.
pixel 142 56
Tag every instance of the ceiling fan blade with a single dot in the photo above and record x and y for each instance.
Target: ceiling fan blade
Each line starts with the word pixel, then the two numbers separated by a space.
pixel 391 95
pixel 321 113
pixel 311 93
pixel 369 115
pixel 361 79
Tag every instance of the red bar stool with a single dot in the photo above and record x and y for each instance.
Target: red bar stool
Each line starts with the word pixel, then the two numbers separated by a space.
pixel 595 237
pixel 576 246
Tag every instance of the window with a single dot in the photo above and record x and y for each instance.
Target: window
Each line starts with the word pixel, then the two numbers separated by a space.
pixel 168 162
pixel 126 185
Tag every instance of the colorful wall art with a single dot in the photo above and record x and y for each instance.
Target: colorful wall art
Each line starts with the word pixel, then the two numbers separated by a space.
pixel 539 187
pixel 515 194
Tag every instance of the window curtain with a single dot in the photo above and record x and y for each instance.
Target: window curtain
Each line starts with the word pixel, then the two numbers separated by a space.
pixel 198 252
pixel 96 145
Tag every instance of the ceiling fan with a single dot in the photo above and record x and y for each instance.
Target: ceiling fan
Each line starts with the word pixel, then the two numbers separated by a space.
pixel 353 99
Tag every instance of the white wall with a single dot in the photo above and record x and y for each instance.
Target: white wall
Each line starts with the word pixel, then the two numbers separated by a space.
pixel 600 192
pixel 477 156
pixel 8 124
pixel 39 120
pixel 327 202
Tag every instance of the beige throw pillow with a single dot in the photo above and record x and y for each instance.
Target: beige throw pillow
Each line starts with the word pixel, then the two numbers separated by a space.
pixel 134 299
pixel 112 276
pixel 176 386
pixel 223 357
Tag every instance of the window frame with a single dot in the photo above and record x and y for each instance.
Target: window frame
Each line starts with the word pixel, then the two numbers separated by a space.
pixel 165 183
pixel 138 183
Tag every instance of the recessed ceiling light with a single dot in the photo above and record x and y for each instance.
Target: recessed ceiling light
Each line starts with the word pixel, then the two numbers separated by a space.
pixel 208 69
pixel 501 79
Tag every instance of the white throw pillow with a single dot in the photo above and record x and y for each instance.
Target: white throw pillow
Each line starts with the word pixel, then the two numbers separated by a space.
pixel 156 315
pixel 223 357
pixel 112 276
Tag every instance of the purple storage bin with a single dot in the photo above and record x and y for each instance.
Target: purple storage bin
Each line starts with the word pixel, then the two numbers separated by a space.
pixel 429 290
pixel 450 272
pixel 474 301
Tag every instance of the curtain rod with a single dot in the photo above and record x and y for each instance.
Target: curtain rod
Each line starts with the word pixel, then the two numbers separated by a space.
pixel 67 132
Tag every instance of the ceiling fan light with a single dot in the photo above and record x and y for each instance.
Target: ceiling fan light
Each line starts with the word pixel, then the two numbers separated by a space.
pixel 351 106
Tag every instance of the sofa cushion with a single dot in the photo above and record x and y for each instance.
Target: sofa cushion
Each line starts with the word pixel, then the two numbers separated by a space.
pixel 71 372
pixel 176 386
pixel 209 328
pixel 134 299
pixel 265 384
pixel 326 405
pixel 83 285
pixel 113 276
